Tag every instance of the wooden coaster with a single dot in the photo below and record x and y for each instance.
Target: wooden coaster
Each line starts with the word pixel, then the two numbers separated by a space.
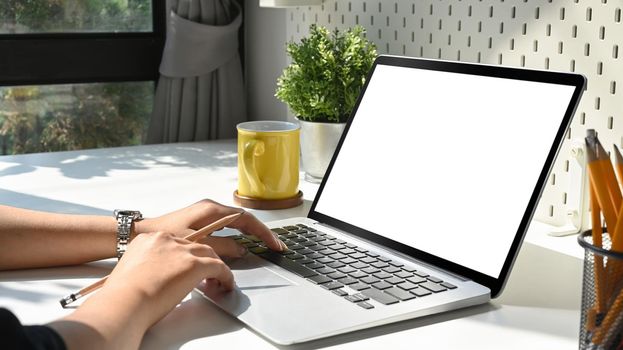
pixel 268 204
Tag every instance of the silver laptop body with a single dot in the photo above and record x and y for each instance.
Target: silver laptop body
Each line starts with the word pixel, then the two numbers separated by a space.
pixel 390 192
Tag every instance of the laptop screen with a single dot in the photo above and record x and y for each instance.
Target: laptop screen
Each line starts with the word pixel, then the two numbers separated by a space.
pixel 446 162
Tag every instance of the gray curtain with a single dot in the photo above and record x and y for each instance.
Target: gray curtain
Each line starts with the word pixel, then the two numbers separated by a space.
pixel 200 93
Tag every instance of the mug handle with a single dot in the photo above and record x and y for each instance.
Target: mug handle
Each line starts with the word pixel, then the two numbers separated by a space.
pixel 252 149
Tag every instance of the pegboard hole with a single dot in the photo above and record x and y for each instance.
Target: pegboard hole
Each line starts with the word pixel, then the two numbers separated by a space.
pixel 524 29
pixel 587 49
pixel 600 68
pixel 617 15
pixel 553 179
pixel 615 51
pixel 501 27
pixel 610 122
pixel 551 211
pixel 512 45
pixel 613 87
pixel 589 14
pixel 597 103
pixel 583 118
pixel 564 198
pixel 574 31
pixel 535 45
pixel 562 13
pixel 537 13
pixel 513 12
pixel 602 32
pixel 567 166
pixel 548 30
pixel 572 66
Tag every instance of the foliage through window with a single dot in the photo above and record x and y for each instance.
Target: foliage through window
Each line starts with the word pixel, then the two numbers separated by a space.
pixel 55 16
pixel 80 73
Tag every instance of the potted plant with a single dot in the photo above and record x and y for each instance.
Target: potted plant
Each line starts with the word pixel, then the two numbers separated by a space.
pixel 321 87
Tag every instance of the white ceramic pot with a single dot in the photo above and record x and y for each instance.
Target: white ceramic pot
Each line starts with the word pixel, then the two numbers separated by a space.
pixel 318 143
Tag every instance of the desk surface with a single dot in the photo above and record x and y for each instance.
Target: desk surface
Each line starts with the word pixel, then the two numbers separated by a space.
pixel 538 309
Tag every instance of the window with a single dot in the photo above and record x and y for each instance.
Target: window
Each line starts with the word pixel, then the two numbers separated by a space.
pixel 69 68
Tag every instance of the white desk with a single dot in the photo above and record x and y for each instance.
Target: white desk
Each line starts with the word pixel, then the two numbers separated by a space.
pixel 538 310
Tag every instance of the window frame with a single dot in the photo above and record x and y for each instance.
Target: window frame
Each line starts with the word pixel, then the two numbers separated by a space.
pixel 75 58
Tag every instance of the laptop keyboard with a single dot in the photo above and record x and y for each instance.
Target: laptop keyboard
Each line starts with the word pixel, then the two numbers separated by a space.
pixel 353 273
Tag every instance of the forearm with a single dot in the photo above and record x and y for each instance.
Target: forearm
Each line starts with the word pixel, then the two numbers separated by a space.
pixel 37 239
pixel 114 318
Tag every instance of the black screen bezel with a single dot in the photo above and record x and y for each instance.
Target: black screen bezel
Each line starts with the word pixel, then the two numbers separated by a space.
pixel 494 284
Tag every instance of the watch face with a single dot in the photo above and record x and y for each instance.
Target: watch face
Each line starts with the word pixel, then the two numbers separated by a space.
pixel 135 214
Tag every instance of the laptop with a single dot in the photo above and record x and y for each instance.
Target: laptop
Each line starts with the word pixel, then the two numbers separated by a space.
pixel 423 207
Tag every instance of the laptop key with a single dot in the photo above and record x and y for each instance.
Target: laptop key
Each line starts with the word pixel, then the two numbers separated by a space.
pixel 416 279
pixel 369 269
pixel 403 274
pixel 380 296
pixel 325 260
pixel 325 270
pixel 305 251
pixel 448 285
pixel 258 250
pixel 394 280
pixel 319 279
pixel 335 275
pixel 368 260
pixel 359 265
pixel 384 259
pixel 349 260
pixel 421 273
pixel 365 305
pixel 350 245
pixel 380 264
pixel 340 292
pixel 396 263
pixel 339 256
pixel 279 231
pixel 372 254
pixel 288 264
pixel 434 279
pixel 336 264
pixel 344 250
pixel 295 256
pixel 420 292
pixel 433 287
pixel 315 265
pixel 291 228
pixel 407 286
pixel 399 293
pixel 348 280
pixel 352 298
pixel 382 285
pixel 382 275
pixel 358 274
pixel 391 269
pixel 361 297
pixel 315 256
pixel 357 255
pixel 347 269
pixel 306 261
pixel 332 285
pixel 369 280
pixel 359 286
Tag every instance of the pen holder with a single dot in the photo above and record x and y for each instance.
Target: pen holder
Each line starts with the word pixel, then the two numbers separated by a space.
pixel 601 323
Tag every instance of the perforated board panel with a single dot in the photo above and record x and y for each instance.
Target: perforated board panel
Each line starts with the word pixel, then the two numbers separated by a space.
pixel 564 35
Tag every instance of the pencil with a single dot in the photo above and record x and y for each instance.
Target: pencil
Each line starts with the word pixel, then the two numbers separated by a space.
pixel 197 235
pixel 611 181
pixel 598 266
pixel 609 321
pixel 596 179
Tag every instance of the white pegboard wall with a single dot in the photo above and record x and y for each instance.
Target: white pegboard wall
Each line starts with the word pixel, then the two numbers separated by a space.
pixel 583 36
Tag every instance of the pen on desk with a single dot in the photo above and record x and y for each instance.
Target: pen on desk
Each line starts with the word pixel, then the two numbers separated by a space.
pixel 197 235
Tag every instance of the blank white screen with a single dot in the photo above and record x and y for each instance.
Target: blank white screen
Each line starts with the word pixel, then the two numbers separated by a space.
pixel 445 162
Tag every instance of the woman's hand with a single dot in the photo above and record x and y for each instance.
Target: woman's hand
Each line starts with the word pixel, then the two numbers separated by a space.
pixel 154 275
pixel 186 220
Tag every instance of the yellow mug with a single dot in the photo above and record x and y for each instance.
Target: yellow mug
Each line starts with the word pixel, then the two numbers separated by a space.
pixel 268 160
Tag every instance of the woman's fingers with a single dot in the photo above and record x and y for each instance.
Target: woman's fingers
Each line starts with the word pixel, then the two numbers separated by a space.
pixel 248 224
pixel 213 267
pixel 225 247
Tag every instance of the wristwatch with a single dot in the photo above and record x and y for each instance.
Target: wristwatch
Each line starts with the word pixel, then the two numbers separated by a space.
pixel 125 219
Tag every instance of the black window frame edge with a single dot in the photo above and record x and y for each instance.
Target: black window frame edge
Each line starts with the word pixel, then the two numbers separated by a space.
pixel 76 58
